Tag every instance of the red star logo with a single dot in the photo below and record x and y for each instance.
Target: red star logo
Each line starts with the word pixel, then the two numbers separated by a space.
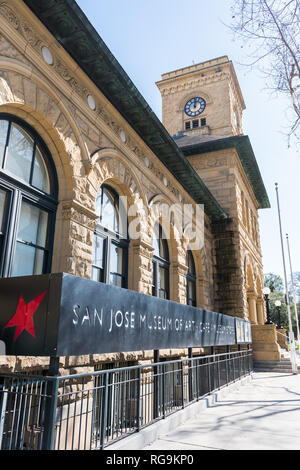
pixel 23 318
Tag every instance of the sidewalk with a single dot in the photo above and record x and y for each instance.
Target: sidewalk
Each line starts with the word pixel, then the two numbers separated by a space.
pixel 261 415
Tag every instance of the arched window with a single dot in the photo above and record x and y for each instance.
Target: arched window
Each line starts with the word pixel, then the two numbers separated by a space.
pixel 191 280
pixel 160 264
pixel 110 247
pixel 28 200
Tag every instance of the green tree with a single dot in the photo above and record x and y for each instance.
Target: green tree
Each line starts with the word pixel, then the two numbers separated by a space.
pixel 277 295
pixel 274 282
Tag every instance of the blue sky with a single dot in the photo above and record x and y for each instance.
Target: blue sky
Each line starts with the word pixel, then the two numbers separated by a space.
pixel 151 37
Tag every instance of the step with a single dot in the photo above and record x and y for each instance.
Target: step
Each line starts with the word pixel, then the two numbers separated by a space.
pixel 273 363
pixel 275 370
pixel 283 366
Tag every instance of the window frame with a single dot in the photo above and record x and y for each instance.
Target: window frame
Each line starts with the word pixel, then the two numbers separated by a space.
pixel 18 191
pixel 191 278
pixel 110 237
pixel 159 262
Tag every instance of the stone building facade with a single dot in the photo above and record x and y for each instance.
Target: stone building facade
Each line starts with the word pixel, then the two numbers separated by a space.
pixel 63 91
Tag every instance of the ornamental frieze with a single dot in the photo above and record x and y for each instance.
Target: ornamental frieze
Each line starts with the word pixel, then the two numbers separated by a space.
pixel 194 83
pixel 9 15
pixel 37 41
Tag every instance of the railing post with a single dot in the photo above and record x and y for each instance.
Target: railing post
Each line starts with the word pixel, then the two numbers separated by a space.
pixel 164 389
pixel 182 383
pixel 138 408
pixel 209 374
pixel 156 384
pixel 104 411
pixel 227 358
pixel 212 376
pixel 51 405
pixel 3 401
pixel 190 372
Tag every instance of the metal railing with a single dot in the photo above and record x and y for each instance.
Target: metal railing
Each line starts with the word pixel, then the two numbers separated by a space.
pixel 90 411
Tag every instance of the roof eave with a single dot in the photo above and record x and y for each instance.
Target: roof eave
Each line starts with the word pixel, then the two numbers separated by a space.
pixel 246 155
pixel 71 28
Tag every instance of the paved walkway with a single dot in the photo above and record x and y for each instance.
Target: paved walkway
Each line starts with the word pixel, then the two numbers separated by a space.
pixel 261 415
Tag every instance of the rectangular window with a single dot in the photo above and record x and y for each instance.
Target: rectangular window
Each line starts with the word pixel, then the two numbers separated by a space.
pixel 203 122
pixel 31 247
pixel 117 266
pixel 3 197
pixel 187 125
pixel 196 124
pixel 98 259
pixel 163 288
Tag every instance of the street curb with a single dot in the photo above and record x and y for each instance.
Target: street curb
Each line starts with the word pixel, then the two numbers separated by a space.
pixel 144 437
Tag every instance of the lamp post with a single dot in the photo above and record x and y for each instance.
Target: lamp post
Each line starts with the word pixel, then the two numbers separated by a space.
pixel 278 305
pixel 266 292
pixel 291 334
pixel 294 293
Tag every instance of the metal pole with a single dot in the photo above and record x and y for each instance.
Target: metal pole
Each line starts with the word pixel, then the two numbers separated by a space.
pixel 268 322
pixel 3 402
pixel 279 326
pixel 51 405
pixel 291 334
pixel 104 412
pixel 294 292
pixel 156 371
pixel 191 373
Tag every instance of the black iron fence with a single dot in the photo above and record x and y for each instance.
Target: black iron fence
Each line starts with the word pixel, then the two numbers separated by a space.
pixel 90 411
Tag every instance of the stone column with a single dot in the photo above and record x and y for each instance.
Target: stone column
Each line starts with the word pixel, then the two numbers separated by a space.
pixel 202 290
pixel 178 272
pixel 252 308
pixel 140 266
pixel 74 251
pixel 260 311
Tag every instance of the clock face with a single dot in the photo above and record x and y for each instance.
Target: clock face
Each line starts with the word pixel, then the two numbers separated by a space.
pixel 195 106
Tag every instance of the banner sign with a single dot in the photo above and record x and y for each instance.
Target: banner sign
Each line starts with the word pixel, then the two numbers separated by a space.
pixel 243 331
pixel 63 315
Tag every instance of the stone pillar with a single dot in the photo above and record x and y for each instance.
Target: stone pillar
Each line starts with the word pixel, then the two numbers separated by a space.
pixel 264 343
pixel 260 311
pixel 178 273
pixel 140 277
pixel 252 308
pixel 75 250
pixel 202 290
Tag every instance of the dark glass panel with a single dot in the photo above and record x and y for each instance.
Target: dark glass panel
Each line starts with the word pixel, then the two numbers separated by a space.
pixel 28 260
pixel 40 176
pixel 190 263
pixel 3 137
pixel 33 225
pixel 117 265
pixel 19 153
pixel 3 201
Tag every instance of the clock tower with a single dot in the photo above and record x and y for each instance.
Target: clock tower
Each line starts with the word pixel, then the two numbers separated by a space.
pixel 203 99
pixel 202 107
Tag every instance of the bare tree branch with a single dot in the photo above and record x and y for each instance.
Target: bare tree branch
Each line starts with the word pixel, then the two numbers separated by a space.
pixel 274 27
